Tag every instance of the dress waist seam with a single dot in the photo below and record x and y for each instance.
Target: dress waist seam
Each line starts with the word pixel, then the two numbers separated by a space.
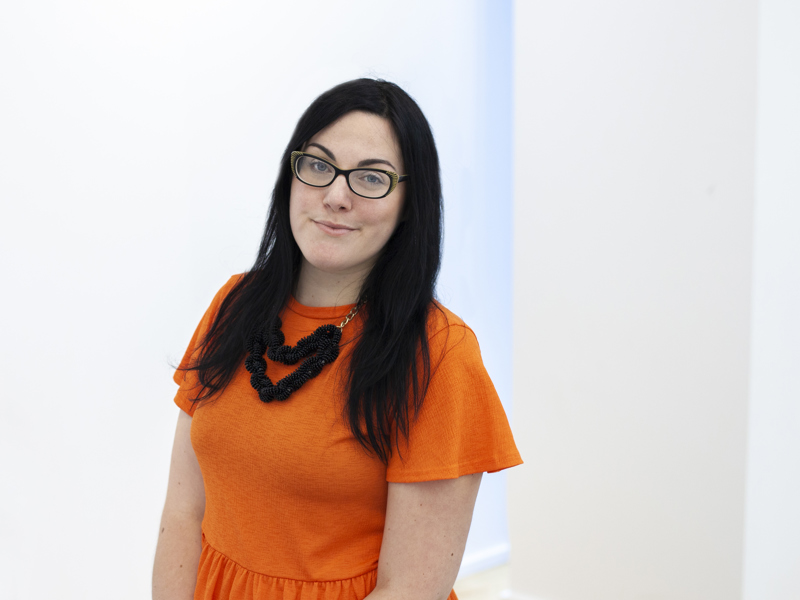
pixel 228 558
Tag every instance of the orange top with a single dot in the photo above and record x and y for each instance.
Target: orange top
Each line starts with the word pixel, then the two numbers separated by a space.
pixel 294 506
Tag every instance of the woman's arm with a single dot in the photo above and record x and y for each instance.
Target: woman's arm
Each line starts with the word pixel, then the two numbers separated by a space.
pixel 423 538
pixel 179 540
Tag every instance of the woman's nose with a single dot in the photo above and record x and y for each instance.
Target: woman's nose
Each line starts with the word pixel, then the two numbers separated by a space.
pixel 339 196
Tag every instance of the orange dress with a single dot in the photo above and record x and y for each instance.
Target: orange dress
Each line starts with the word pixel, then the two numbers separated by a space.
pixel 295 507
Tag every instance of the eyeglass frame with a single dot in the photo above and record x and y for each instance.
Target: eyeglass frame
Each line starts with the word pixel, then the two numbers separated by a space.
pixel 394 177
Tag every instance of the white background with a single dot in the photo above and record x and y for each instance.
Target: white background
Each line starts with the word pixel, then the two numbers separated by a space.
pixel 772 526
pixel 657 286
pixel 138 151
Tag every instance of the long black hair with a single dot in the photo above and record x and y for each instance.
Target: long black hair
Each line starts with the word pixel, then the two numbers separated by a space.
pixel 390 362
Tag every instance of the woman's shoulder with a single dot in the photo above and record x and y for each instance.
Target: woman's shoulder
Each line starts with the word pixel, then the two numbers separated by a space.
pixel 219 297
pixel 223 292
pixel 232 281
pixel 440 317
pixel 446 329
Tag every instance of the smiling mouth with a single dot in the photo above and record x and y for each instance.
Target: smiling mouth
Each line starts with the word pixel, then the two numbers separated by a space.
pixel 333 228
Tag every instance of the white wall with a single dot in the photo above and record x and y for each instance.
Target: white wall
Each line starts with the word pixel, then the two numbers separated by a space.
pixel 634 153
pixel 139 146
pixel 772 533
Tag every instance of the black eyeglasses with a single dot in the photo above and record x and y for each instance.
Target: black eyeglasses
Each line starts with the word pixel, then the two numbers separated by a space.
pixel 368 183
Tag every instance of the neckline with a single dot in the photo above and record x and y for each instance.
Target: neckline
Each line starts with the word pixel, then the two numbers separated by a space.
pixel 318 312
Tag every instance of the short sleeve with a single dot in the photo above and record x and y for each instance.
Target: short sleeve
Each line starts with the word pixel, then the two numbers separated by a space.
pixel 187 380
pixel 461 427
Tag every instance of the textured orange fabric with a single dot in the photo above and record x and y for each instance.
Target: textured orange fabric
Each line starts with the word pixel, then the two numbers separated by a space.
pixel 295 507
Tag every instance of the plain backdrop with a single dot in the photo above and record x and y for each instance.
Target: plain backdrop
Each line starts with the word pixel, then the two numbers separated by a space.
pixel 656 294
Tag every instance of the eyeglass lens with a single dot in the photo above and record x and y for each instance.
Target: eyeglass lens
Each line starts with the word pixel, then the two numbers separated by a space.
pixel 365 182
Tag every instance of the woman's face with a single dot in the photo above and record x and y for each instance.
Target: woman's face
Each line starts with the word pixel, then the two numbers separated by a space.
pixel 337 231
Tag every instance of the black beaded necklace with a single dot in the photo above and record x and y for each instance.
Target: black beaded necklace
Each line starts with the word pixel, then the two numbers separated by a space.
pixel 324 341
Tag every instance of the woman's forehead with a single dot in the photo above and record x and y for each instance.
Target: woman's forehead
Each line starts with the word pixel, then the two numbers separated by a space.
pixel 358 136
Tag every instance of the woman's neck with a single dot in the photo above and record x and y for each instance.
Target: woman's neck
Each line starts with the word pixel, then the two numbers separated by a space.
pixel 320 288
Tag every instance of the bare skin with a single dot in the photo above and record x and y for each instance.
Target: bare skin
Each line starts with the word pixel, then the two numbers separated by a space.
pixel 423 538
pixel 178 549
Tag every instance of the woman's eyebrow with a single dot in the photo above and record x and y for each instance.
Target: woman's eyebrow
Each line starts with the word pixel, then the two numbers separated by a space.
pixel 323 148
pixel 375 161
pixel 363 163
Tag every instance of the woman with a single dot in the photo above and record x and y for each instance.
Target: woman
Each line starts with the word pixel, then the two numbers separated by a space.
pixel 315 475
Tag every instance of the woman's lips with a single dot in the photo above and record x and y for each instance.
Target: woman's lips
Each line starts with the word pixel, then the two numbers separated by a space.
pixel 333 228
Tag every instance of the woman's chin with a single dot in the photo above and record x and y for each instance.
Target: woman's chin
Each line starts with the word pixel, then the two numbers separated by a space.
pixel 331 264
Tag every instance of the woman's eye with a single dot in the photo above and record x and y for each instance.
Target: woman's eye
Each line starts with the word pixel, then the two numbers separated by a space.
pixel 319 166
pixel 373 178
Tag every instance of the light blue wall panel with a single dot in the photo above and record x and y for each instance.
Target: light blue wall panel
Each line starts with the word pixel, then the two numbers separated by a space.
pixel 476 279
